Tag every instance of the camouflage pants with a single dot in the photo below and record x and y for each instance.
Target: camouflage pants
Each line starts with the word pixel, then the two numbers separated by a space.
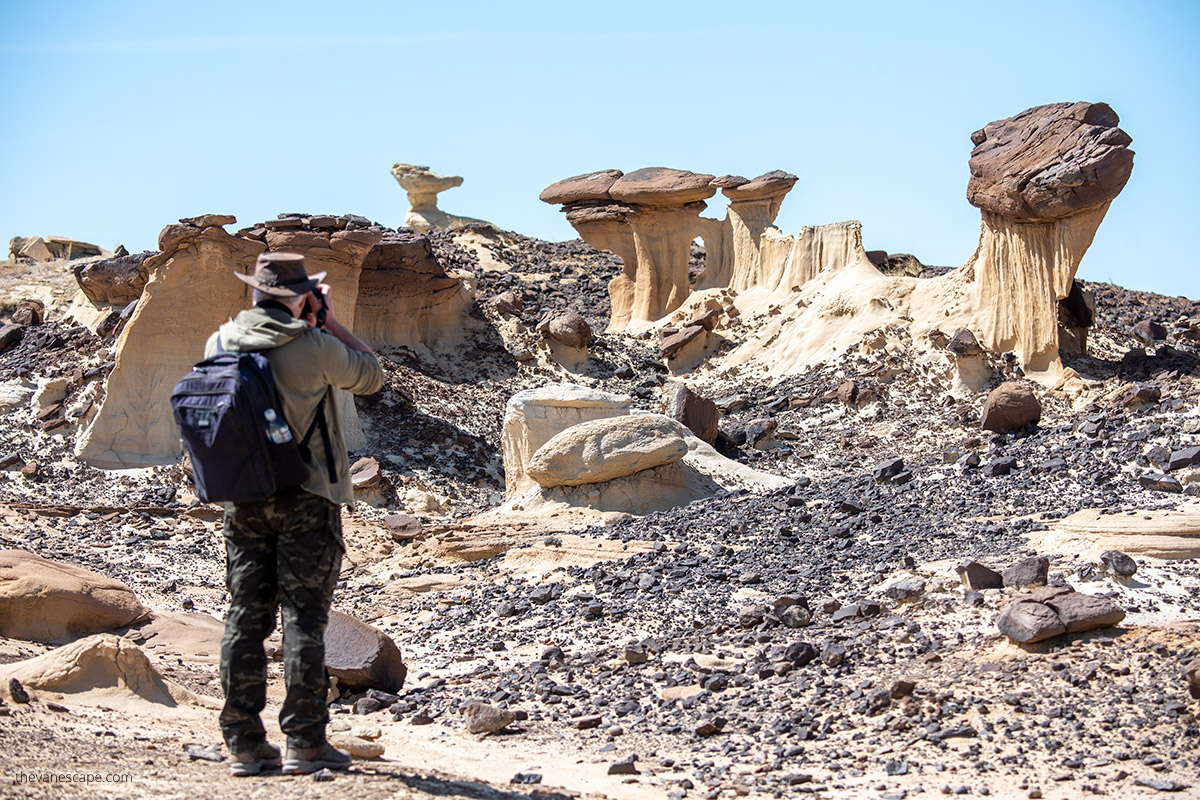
pixel 284 552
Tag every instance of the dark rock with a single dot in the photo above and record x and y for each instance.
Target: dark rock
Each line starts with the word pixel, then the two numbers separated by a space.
pixel 964 343
pixel 1119 563
pixel 847 392
pixel 977 577
pixel 710 726
pixel 1187 457
pixel 484 718
pixel 698 414
pixel 17 692
pixel 887 469
pixel 9 336
pixel 569 329
pixel 361 656
pixel 1142 393
pixel 832 655
pixel 904 588
pixel 676 342
pixel 800 654
pixel 1049 162
pixel 1160 482
pixel 1084 612
pixel 1191 674
pixel 999 466
pixel 1028 622
pixel 626 767
pixel 1028 572
pixel 1150 330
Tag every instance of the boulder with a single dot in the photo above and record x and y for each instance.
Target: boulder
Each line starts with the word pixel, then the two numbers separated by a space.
pixel 1119 563
pixel 568 328
pixel 10 335
pixel 1028 572
pixel 29 312
pixel 484 718
pixel 977 577
pixel 1191 674
pixel 964 343
pixel 1049 162
pixel 605 449
pixel 47 601
pixel 1049 611
pixel 1026 622
pixel 532 417
pixel 118 281
pixel 1010 406
pixel 1150 330
pixel 671 345
pixel 698 414
pixel 361 656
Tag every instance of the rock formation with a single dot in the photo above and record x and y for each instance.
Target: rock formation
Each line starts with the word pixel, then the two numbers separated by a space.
pixel 117 281
pixel 753 206
pixel 103 665
pixel 648 218
pixel 388 287
pixel 423 188
pixel 581 448
pixel 51 602
pixel 361 656
pixel 1043 181
pixel 47 248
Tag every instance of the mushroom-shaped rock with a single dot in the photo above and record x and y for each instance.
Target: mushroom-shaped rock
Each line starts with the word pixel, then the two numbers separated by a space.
pixel 51 602
pixel 589 186
pixel 1043 180
pixel 662 186
pixel 1049 162
pixel 769 185
pixel 606 449
pixel 423 187
pixel 753 206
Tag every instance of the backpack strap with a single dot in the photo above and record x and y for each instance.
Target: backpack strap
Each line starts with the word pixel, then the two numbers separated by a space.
pixel 319 422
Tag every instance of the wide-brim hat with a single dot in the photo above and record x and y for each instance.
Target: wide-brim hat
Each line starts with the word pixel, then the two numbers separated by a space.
pixel 281 275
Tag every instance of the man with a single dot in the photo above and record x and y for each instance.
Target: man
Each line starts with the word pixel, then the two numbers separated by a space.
pixel 286 551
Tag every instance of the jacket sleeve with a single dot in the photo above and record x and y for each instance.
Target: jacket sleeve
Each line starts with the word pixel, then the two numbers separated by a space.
pixel 357 373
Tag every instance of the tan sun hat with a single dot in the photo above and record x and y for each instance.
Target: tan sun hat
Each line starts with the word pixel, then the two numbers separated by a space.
pixel 281 275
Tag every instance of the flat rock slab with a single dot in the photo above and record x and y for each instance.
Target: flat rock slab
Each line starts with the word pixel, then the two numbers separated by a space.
pixel 1173 534
pixel 1049 611
pixel 47 601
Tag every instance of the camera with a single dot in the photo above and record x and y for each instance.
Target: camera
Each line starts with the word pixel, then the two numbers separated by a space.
pixel 304 312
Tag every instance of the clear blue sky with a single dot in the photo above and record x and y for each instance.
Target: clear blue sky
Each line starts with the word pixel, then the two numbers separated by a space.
pixel 121 117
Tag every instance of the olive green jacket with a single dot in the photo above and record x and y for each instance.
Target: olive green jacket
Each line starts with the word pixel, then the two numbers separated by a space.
pixel 307 364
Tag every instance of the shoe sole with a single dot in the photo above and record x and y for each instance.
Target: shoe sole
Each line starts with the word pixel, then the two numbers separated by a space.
pixel 247 769
pixel 296 767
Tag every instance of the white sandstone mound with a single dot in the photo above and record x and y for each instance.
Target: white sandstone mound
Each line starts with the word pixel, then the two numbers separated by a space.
pixel 643 462
pixel 103 669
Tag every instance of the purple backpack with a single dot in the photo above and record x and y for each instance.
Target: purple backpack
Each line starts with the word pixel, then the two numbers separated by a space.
pixel 221 408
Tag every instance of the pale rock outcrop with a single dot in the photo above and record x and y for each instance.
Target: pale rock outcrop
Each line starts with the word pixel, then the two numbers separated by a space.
pixel 1043 181
pixel 534 416
pixel 48 248
pixel 47 601
pixel 605 449
pixel 406 298
pixel 423 187
pixel 101 666
pixel 388 287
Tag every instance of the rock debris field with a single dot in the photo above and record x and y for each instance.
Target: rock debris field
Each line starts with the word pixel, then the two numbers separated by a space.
pixel 637 562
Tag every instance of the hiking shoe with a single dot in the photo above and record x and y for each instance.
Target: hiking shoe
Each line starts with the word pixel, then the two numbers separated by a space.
pixel 303 760
pixel 252 762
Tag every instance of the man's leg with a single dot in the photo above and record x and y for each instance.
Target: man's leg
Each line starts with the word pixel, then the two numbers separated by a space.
pixel 309 560
pixel 250 564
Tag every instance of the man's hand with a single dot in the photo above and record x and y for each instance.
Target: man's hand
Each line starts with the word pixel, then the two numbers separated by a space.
pixel 320 307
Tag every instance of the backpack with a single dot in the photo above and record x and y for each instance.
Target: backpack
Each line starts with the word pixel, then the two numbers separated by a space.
pixel 223 408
